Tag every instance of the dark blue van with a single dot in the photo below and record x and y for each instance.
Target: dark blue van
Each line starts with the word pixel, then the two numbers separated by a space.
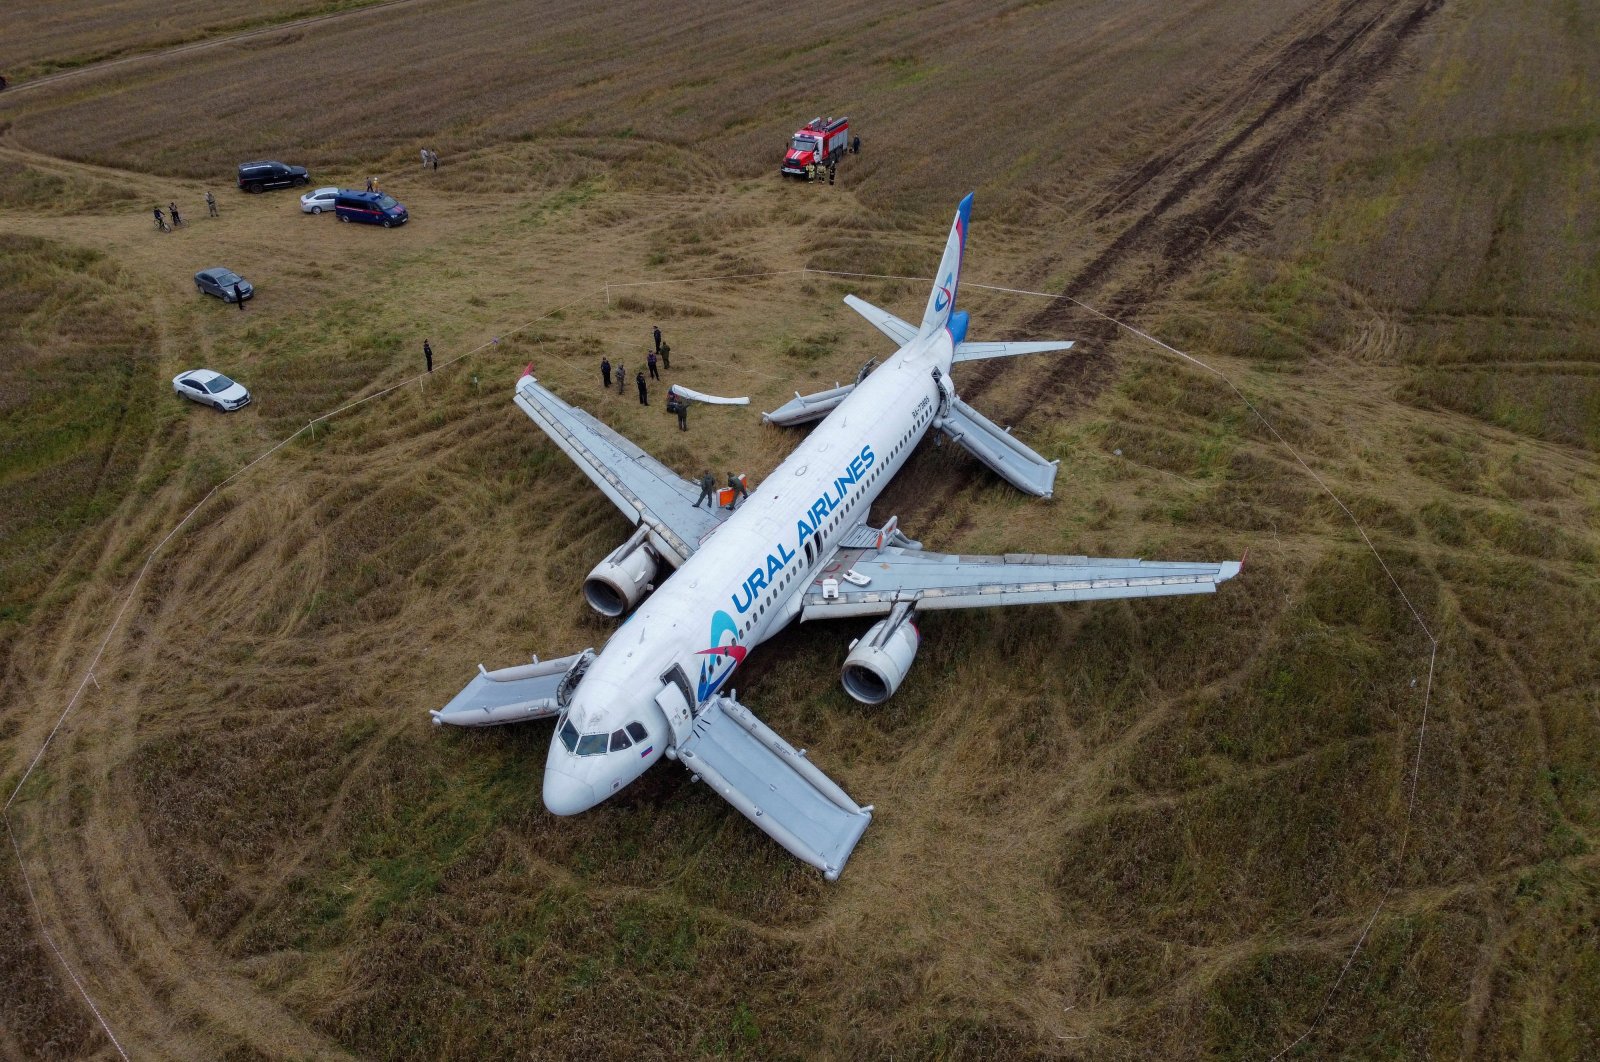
pixel 377 208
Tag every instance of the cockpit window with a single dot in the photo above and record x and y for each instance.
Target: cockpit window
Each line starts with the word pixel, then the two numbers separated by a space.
pixel 637 731
pixel 620 740
pixel 569 736
pixel 591 744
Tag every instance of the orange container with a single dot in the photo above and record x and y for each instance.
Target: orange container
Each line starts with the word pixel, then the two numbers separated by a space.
pixel 725 496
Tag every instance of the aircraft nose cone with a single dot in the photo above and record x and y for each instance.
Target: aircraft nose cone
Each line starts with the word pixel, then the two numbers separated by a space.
pixel 565 795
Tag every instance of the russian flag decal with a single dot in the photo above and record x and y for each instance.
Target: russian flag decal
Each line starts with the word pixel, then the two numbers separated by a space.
pixel 647 752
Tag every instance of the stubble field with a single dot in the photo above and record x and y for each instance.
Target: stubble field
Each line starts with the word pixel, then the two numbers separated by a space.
pixel 1142 830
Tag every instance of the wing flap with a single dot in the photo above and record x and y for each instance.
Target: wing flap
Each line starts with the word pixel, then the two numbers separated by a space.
pixel 948 581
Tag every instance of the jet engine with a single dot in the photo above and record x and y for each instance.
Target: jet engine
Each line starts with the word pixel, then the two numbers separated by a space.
pixel 618 583
pixel 879 660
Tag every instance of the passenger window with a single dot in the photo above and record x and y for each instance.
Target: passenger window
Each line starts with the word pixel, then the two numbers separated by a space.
pixel 620 740
pixel 637 731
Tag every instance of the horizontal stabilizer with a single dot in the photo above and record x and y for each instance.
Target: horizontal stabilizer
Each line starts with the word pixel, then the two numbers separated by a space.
pixel 1012 459
pixel 981 351
pixel 714 400
pixel 803 409
pixel 774 785
pixel 884 321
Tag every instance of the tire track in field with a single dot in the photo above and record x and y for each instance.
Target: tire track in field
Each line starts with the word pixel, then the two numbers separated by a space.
pixel 195 46
pixel 1200 190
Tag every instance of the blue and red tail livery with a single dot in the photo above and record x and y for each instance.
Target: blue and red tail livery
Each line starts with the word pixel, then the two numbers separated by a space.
pixel 942 299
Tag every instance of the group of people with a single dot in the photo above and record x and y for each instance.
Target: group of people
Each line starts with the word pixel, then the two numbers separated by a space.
pixel 708 490
pixel 169 221
pixel 816 170
pixel 430 159
pixel 657 358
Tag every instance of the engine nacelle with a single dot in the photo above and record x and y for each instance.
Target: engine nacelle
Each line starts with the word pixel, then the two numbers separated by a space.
pixel 879 660
pixel 618 582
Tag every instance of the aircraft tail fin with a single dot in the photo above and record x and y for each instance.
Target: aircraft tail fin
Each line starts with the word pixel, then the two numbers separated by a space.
pixel 942 299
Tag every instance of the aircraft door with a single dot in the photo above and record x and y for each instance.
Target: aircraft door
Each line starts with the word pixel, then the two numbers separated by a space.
pixel 676 703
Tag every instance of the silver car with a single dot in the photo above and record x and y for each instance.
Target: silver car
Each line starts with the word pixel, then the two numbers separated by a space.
pixel 211 389
pixel 224 283
pixel 320 200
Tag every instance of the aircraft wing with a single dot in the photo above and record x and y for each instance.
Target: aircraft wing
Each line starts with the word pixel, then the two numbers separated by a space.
pixel 647 491
pixel 902 332
pixel 871 580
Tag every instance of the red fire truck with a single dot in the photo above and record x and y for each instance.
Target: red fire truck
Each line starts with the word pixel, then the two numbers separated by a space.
pixel 822 140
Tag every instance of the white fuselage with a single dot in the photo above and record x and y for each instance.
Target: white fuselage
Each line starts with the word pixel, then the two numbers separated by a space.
pixel 748 578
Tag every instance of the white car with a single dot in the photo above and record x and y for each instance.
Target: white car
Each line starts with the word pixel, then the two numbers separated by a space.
pixel 211 389
pixel 315 202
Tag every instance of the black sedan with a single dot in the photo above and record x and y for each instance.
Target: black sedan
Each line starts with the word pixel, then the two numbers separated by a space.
pixel 225 284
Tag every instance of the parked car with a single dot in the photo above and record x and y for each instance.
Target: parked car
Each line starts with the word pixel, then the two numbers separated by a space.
pixel 376 208
pixel 211 389
pixel 220 281
pixel 315 202
pixel 259 176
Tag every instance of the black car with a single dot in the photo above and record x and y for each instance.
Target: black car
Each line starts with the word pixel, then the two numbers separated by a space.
pixel 259 176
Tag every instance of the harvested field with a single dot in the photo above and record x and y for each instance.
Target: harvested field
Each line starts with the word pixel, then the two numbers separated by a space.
pixel 1160 829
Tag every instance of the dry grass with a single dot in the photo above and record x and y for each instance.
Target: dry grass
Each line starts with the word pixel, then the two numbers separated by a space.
pixel 1157 834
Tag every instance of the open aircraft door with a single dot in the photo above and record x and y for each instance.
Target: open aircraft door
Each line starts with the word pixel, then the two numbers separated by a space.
pixel 676 704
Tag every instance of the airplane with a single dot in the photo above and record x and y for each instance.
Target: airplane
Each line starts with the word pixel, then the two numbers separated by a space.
pixel 799 547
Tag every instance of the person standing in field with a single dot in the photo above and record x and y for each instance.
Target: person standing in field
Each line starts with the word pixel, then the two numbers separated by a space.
pixel 176 220
pixel 427 355
pixel 683 415
pixel 369 184
pixel 650 362
pixel 238 297
pixel 211 204
pixel 622 378
pixel 656 332
pixel 831 167
pixel 666 362
pixel 434 155
pixel 855 145
pixel 644 395
pixel 605 373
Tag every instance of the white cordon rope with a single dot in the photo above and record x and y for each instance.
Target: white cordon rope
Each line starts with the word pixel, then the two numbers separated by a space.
pixel 1416 770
